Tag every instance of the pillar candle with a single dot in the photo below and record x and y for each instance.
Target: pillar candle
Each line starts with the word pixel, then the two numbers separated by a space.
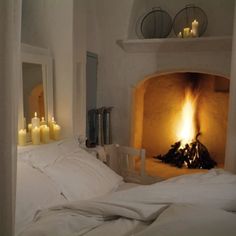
pixel 42 122
pixel 22 137
pixel 51 123
pixel 29 128
pixel 45 134
pixel 186 32
pixel 35 121
pixel 180 35
pixel 36 135
pixel 195 28
pixel 56 131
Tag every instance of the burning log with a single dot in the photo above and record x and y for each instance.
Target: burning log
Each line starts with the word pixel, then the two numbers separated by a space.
pixel 193 155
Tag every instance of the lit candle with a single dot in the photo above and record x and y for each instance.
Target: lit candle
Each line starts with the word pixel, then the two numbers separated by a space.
pixel 191 33
pixel 56 131
pixel 180 35
pixel 36 135
pixel 22 137
pixel 29 128
pixel 51 124
pixel 35 121
pixel 42 122
pixel 195 28
pixel 186 32
pixel 45 133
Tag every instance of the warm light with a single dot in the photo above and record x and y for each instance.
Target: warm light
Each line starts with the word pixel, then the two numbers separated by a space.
pixel 35 114
pixel 187 127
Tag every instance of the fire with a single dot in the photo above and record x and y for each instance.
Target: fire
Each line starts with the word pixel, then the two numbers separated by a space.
pixel 187 126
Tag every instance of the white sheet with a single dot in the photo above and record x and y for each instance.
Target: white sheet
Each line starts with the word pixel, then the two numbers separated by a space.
pixel 35 191
pixel 157 207
pixel 48 173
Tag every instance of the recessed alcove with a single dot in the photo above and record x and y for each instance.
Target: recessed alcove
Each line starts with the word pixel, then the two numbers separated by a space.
pixel 157 108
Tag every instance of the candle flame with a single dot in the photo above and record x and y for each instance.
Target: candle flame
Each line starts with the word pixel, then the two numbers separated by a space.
pixel 35 114
pixel 187 127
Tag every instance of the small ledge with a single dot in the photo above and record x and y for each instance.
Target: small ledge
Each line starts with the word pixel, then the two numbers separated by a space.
pixel 200 44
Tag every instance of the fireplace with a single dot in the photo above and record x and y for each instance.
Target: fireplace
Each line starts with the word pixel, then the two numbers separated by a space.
pixel 158 112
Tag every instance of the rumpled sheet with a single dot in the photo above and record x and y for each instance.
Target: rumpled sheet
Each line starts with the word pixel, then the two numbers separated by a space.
pixel 168 208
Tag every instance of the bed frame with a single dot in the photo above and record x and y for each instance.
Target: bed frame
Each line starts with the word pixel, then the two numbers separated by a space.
pixel 122 159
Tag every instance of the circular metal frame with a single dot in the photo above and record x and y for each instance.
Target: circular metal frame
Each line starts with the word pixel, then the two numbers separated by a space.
pixel 203 23
pixel 142 20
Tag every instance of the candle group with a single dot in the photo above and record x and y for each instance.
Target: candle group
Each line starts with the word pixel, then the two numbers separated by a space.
pixel 39 131
pixel 190 32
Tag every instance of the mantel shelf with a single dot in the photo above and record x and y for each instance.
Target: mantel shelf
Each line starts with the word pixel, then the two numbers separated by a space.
pixel 201 44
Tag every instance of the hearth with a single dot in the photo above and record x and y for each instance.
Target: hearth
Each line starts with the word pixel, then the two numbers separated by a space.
pixel 181 119
pixel 188 151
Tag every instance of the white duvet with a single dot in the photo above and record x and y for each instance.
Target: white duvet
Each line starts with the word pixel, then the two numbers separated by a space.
pixel 186 205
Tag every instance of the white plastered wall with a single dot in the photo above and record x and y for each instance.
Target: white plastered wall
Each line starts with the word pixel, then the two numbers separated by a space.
pixel 230 160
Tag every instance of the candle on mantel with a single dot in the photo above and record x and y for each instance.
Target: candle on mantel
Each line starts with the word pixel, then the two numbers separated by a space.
pixel 186 32
pixel 56 132
pixel 45 133
pixel 180 35
pixel 35 121
pixel 195 28
pixel 42 122
pixel 30 128
pixel 51 123
pixel 36 135
pixel 22 137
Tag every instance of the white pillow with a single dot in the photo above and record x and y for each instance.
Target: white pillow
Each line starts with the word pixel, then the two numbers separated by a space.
pixel 44 155
pixel 34 191
pixel 81 176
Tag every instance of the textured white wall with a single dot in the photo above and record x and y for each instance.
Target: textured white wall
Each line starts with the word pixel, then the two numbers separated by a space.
pixel 119 72
pixel 230 161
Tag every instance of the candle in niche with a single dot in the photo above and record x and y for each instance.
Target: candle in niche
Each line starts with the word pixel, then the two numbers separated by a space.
pixel 36 135
pixel 42 122
pixel 51 124
pixel 45 133
pixel 35 121
pixel 195 28
pixel 180 35
pixel 186 32
pixel 29 128
pixel 22 137
pixel 56 132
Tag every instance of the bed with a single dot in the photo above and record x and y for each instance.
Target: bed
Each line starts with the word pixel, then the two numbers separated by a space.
pixel 63 190
pixel 57 173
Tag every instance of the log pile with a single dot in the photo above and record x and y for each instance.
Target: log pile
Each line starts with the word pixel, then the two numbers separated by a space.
pixel 193 156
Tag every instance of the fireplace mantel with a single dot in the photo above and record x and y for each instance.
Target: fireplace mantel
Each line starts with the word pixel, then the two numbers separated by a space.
pixel 207 44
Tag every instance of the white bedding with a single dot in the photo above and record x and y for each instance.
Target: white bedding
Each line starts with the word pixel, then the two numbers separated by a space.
pixel 187 205
pixel 58 172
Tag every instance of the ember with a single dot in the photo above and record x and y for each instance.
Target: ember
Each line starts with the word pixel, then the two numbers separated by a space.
pixel 188 151
pixel 192 155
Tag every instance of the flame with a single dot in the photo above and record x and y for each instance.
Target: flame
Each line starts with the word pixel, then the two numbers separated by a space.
pixel 187 126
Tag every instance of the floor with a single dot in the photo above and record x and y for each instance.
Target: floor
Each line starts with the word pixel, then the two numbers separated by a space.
pixel 165 171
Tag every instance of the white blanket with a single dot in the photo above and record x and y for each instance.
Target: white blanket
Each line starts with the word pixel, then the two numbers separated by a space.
pixel 168 208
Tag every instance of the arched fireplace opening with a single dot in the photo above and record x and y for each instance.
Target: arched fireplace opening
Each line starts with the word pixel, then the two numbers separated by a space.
pixel 158 112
